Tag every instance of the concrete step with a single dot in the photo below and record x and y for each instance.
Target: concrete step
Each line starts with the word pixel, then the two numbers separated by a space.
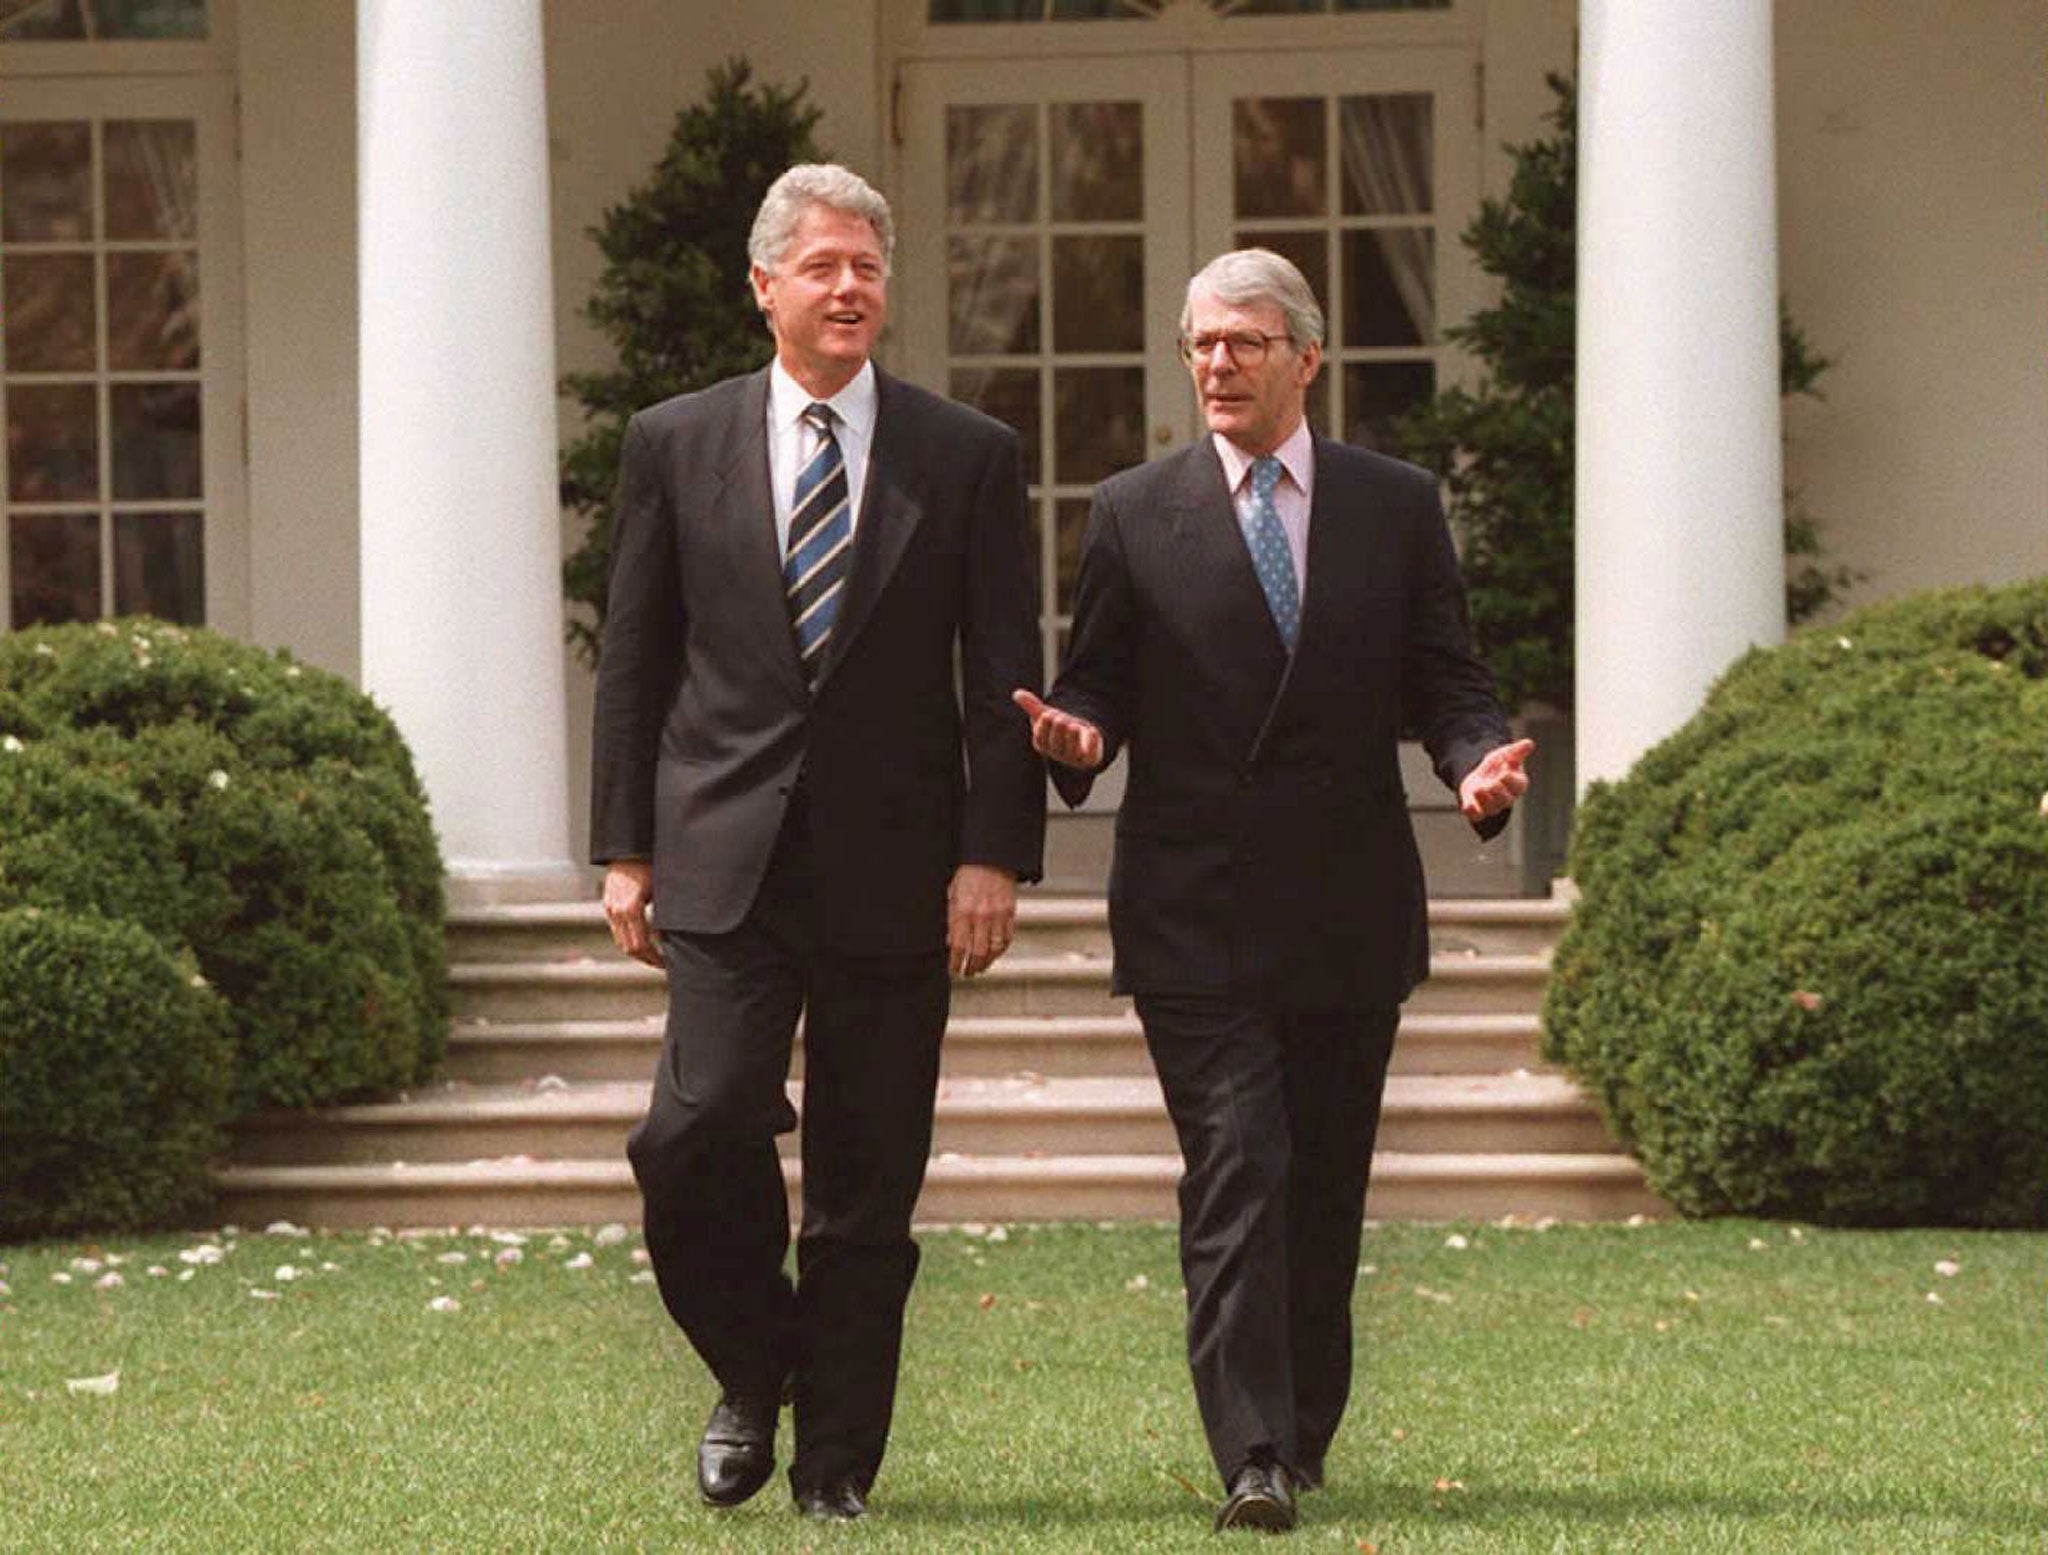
pixel 1512 1113
pixel 507 1052
pixel 1065 985
pixel 1047 925
pixel 522 1192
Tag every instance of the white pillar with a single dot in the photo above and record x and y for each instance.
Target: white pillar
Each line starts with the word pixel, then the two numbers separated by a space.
pixel 461 549
pixel 1680 512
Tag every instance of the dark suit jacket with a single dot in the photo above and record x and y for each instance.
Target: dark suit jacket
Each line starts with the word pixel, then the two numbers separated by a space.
pixel 1264 837
pixel 703 722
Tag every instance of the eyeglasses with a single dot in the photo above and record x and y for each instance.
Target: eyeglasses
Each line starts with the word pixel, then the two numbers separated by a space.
pixel 1246 349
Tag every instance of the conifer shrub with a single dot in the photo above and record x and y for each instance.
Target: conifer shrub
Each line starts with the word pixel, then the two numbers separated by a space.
pixel 115 1060
pixel 262 816
pixel 1808 973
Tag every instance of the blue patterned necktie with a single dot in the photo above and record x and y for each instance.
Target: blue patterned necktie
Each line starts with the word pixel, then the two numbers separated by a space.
pixel 820 543
pixel 1272 560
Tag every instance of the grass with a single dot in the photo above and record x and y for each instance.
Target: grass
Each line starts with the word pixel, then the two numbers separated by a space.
pixel 1729 1386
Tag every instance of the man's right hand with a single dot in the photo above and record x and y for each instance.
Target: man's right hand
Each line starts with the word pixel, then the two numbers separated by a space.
pixel 1071 741
pixel 628 893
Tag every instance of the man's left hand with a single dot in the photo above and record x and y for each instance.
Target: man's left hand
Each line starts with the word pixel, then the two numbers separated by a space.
pixel 981 916
pixel 1497 782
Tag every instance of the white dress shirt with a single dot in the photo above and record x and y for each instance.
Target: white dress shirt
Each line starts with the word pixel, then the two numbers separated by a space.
pixel 1291 498
pixel 792 442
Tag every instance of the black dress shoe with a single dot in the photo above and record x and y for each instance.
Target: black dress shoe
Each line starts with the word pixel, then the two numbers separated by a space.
pixel 835 1501
pixel 1262 1497
pixel 736 1454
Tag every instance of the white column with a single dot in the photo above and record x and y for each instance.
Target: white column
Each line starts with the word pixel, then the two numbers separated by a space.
pixel 461 593
pixel 1680 542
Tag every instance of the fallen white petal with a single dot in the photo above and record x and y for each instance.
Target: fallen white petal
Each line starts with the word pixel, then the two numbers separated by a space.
pixel 580 1261
pixel 98 1386
pixel 444 1304
pixel 452 1258
pixel 1948 1268
pixel 1934 1298
pixel 1456 1241
pixel 60 1278
pixel 156 1271
pixel 508 1256
pixel 1756 1244
pixel 186 1274
pixel 642 1257
pixel 108 1281
pixel 1137 1282
pixel 611 1235
pixel 285 1228
pixel 508 1238
pixel 285 1273
pixel 998 1233
pixel 86 1266
pixel 644 1277
pixel 264 1295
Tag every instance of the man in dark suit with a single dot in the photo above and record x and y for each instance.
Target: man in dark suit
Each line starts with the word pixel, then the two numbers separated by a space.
pixel 788 785
pixel 1257 617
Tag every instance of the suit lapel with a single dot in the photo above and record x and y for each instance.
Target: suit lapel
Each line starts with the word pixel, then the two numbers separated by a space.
pixel 1232 626
pixel 743 514
pixel 889 514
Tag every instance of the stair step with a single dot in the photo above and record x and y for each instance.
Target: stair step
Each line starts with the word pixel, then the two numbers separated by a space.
pixel 521 1192
pixel 1072 984
pixel 1046 925
pixel 974 1116
pixel 507 1052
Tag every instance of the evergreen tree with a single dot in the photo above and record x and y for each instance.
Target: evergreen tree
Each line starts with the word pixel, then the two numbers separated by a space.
pixel 674 298
pixel 1505 448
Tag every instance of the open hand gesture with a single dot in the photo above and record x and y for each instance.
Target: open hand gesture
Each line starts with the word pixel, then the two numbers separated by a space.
pixel 1497 782
pixel 1071 741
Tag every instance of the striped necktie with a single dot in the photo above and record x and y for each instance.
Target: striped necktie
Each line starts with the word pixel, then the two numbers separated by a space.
pixel 820 543
pixel 1272 559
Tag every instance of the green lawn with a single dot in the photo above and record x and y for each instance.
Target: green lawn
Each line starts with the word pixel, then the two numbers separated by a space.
pixel 1730 1386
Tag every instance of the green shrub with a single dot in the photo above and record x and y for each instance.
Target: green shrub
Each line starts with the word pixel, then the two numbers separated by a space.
pixel 1808 975
pixel 265 815
pixel 114 1070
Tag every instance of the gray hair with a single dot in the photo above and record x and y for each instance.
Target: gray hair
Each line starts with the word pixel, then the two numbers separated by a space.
pixel 816 183
pixel 1254 275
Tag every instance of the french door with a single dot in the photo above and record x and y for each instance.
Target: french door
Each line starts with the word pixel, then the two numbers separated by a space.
pixel 120 352
pixel 1054 209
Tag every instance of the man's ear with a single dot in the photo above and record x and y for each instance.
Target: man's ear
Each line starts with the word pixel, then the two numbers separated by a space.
pixel 1311 363
pixel 760 278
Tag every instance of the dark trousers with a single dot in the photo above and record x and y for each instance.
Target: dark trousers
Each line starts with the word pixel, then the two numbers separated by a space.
pixel 716 1214
pixel 1276 1109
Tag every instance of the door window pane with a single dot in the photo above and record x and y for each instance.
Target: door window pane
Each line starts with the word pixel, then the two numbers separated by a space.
pixel 156 441
pixel 53 442
pixel 152 180
pixel 159 566
pixel 49 317
pixel 152 311
pixel 1390 287
pixel 1010 394
pixel 991 163
pixel 1098 422
pixel 46 182
pixel 53 563
pixel 1388 154
pixel 992 296
pixel 1281 156
pixel 1376 392
pixel 1098 296
pixel 86 21
pixel 1098 162
pixel 1308 251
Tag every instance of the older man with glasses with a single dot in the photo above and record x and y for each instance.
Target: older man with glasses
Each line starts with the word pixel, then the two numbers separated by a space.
pixel 1257 618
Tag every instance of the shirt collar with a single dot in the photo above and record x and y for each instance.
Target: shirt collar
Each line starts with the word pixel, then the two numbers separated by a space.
pixel 854 404
pixel 1296 456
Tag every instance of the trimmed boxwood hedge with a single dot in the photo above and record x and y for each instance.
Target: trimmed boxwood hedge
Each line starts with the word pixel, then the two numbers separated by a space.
pixel 1808 973
pixel 114 1067
pixel 256 814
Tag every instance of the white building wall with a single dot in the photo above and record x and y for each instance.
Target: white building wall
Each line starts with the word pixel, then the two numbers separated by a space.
pixel 1911 191
pixel 296 76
